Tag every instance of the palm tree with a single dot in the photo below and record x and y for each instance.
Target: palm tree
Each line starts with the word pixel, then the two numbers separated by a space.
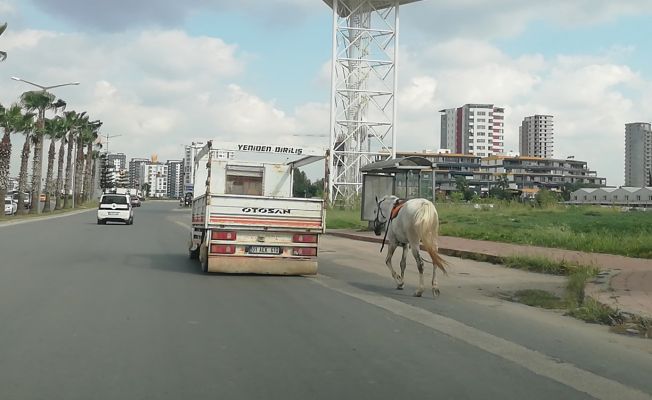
pixel 24 159
pixel 3 55
pixel 39 101
pixel 53 129
pixel 90 139
pixel 62 135
pixel 72 122
pixel 12 120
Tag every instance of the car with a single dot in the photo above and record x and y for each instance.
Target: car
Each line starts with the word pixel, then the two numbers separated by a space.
pixel 10 206
pixel 135 201
pixel 115 208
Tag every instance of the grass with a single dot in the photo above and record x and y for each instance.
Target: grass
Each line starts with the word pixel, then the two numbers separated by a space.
pixel 591 229
pixel 344 219
pixel 537 298
pixel 587 228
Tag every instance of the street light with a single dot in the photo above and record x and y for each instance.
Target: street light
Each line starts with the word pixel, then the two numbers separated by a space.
pixel 44 88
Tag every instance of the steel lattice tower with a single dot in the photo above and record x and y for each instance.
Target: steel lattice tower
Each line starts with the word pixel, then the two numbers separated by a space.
pixel 363 91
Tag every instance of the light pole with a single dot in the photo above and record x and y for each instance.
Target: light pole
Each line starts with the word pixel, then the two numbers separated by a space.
pixel 44 88
pixel 107 137
pixel 36 194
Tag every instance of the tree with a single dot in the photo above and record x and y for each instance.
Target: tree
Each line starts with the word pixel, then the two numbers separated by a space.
pixel 37 101
pixel 501 189
pixel 54 131
pixel 3 54
pixel 24 160
pixel 72 123
pixel 146 187
pixel 300 184
pixel 462 186
pixel 545 198
pixel 12 120
pixel 90 135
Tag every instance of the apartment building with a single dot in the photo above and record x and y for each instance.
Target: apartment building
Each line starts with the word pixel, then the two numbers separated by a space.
pixel 638 154
pixel 536 136
pixel 175 178
pixel 156 175
pixel 477 129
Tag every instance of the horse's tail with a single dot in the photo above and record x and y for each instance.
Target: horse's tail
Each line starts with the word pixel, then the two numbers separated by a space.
pixel 427 226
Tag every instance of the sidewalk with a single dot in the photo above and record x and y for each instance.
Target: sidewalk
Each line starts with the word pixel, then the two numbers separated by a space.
pixel 629 289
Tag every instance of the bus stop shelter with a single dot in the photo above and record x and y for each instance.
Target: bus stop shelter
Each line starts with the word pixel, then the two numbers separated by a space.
pixel 407 178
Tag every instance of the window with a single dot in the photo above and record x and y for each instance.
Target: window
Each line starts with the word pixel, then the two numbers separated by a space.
pixel 481 113
pixel 246 180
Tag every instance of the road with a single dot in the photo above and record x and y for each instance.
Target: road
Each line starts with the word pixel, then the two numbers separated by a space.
pixel 120 312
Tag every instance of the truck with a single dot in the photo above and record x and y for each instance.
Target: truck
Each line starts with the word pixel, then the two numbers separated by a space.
pixel 244 217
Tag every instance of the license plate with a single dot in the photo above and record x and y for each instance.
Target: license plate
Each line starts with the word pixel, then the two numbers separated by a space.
pixel 264 250
pixel 113 213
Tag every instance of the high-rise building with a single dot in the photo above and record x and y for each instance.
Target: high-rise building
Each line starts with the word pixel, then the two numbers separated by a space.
pixel 536 136
pixel 638 154
pixel 477 129
pixel 175 182
pixel 189 164
pixel 135 165
pixel 156 176
pixel 118 160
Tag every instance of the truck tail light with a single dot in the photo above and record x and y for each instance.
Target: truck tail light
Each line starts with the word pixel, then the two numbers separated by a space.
pixel 222 248
pixel 223 235
pixel 299 238
pixel 305 251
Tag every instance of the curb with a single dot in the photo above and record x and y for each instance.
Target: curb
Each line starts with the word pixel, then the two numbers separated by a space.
pixel 442 250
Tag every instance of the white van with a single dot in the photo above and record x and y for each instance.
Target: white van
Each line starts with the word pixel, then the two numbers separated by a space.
pixel 115 208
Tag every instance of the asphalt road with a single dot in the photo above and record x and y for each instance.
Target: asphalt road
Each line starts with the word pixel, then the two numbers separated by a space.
pixel 120 312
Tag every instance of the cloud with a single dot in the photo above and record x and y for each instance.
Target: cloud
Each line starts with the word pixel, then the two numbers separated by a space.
pixel 116 15
pixel 505 18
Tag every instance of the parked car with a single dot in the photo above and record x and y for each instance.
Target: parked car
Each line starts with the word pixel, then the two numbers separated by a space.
pixel 115 208
pixel 135 201
pixel 10 206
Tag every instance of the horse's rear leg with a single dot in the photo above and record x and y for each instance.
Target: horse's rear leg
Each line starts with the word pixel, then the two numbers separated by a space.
pixel 391 248
pixel 419 260
pixel 403 265
pixel 434 283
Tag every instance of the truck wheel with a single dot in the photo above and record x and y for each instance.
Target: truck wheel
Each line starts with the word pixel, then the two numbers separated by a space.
pixel 203 258
pixel 193 254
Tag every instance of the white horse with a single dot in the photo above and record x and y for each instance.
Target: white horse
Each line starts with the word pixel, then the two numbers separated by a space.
pixel 414 222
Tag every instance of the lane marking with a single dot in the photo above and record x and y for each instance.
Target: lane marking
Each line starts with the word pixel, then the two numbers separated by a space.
pixel 541 364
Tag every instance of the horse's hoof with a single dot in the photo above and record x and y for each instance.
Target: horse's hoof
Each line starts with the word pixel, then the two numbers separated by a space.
pixel 435 292
pixel 399 286
pixel 417 294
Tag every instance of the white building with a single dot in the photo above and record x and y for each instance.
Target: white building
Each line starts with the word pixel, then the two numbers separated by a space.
pixel 189 164
pixel 622 196
pixel 175 178
pixel 638 154
pixel 536 136
pixel 156 175
pixel 477 129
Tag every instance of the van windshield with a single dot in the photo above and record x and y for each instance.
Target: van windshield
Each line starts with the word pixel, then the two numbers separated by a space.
pixel 114 199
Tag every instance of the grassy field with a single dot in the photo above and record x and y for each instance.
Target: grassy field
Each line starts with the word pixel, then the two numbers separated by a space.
pixel 592 229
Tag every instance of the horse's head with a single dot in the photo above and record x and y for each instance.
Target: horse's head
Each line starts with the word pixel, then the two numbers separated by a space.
pixel 382 213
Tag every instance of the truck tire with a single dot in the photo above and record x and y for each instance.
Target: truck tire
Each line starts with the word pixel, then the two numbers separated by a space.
pixel 193 254
pixel 203 258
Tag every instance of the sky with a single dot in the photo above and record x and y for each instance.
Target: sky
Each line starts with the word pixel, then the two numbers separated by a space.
pixel 162 74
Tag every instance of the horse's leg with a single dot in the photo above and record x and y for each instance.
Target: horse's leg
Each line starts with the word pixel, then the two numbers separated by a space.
pixel 391 248
pixel 403 264
pixel 419 260
pixel 434 283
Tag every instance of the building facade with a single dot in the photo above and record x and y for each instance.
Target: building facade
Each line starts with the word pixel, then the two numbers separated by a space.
pixel 135 165
pixel 175 178
pixel 189 164
pixel 623 196
pixel 117 160
pixel 156 176
pixel 536 136
pixel 535 172
pixel 638 154
pixel 450 166
pixel 477 129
